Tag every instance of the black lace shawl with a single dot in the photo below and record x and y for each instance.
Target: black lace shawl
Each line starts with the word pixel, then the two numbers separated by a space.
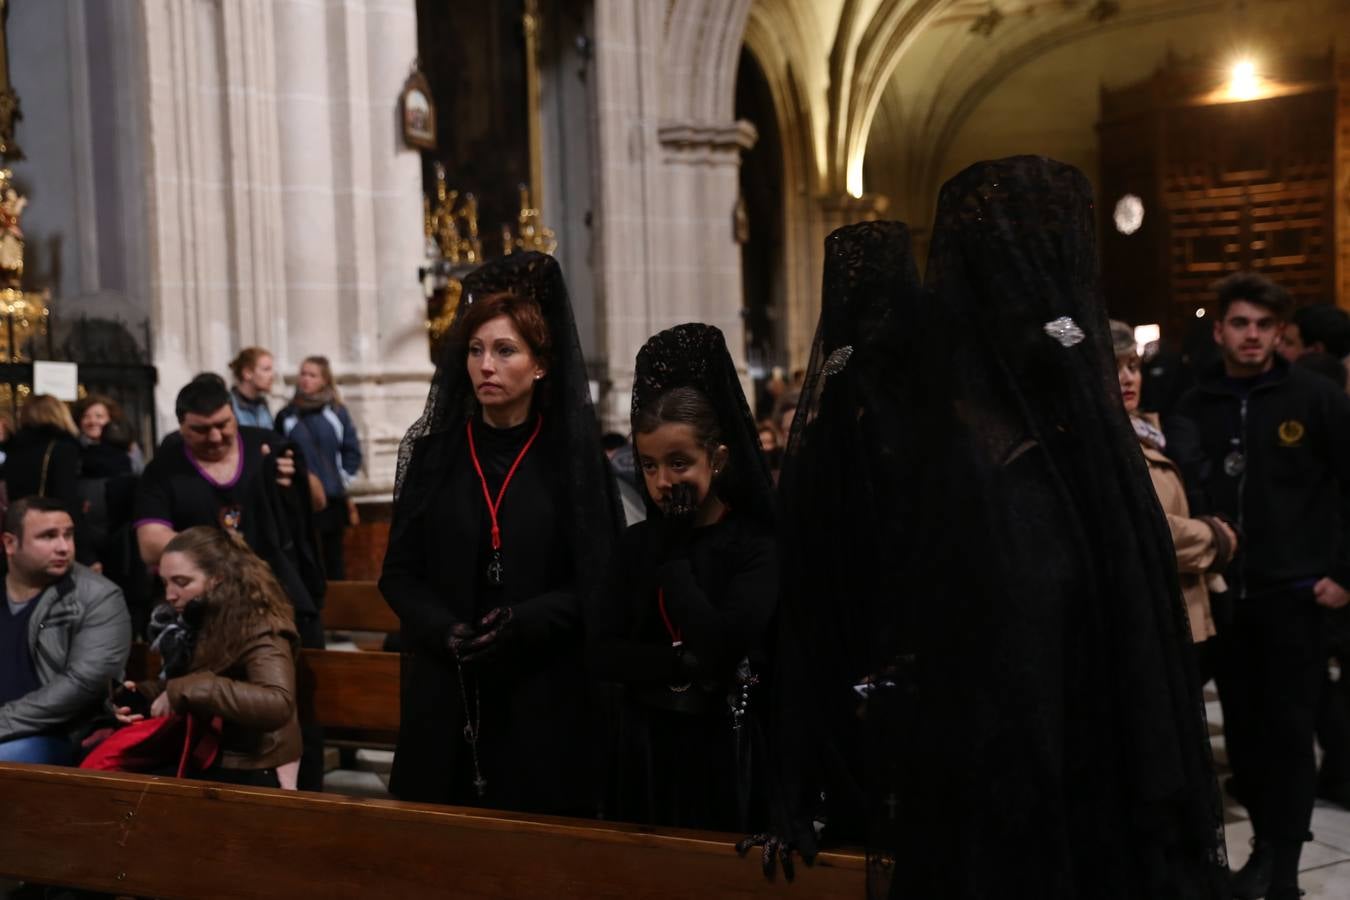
pixel 842 541
pixel 563 396
pixel 1057 745
pixel 695 355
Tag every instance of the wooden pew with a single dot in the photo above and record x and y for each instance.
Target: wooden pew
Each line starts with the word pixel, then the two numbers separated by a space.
pixel 348 691
pixel 161 837
pixel 357 606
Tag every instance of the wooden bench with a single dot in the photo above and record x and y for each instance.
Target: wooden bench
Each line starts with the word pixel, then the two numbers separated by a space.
pixel 357 606
pixel 161 837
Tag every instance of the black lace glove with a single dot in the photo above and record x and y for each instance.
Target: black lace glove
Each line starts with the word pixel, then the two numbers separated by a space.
pixel 775 850
pixel 495 631
pixel 674 528
pixel 460 635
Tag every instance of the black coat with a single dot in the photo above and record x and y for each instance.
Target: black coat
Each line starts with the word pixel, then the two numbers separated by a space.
pixel 1292 497
pixel 530 702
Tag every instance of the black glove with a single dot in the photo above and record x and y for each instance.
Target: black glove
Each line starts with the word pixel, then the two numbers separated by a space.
pixel 460 635
pixel 776 850
pixel 496 630
pixel 674 529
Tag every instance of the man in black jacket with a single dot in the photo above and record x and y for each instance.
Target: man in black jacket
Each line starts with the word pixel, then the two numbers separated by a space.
pixel 1275 457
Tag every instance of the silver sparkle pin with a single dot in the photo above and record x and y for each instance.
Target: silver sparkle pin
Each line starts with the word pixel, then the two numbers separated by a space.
pixel 1065 330
pixel 837 360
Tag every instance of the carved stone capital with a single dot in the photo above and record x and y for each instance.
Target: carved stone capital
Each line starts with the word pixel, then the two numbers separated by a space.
pixel 707 142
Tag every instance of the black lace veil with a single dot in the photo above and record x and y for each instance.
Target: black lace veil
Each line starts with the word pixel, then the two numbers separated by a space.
pixel 1058 724
pixel 695 355
pixel 563 396
pixel 842 535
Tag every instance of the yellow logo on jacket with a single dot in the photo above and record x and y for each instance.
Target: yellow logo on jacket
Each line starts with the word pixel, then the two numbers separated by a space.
pixel 1291 433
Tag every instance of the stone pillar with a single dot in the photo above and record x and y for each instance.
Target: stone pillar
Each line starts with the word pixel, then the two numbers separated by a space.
pixel 667 196
pixel 283 208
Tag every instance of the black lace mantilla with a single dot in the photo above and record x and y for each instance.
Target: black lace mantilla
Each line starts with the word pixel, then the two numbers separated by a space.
pixel 695 355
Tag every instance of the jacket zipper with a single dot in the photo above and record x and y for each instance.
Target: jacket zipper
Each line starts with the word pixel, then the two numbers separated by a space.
pixel 42 651
pixel 1242 484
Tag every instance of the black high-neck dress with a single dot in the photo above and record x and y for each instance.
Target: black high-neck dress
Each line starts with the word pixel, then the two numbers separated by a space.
pixel 529 703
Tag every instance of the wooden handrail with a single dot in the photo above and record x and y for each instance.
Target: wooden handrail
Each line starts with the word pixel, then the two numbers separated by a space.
pixel 162 837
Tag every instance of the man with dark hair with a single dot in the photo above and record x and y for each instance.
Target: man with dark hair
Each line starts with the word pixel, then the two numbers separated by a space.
pixel 1275 458
pixel 1316 329
pixel 64 636
pixel 218 473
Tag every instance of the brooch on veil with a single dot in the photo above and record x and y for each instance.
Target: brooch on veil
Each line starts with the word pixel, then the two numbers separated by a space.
pixel 1065 330
pixel 836 361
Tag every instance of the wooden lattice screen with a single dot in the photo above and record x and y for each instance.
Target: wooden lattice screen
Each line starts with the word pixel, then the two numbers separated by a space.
pixel 1226 186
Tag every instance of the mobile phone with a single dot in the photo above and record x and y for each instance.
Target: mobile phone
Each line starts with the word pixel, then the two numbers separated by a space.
pixel 135 701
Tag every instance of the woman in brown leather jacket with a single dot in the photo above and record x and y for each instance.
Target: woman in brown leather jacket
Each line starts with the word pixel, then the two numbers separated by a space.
pixel 238 645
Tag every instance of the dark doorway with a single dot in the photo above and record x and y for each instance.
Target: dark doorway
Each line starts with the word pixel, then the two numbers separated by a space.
pixel 761 228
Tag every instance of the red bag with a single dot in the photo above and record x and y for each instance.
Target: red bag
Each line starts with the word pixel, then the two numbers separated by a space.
pixel 153 745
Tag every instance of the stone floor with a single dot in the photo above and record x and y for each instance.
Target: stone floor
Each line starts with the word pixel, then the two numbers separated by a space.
pixel 1326 859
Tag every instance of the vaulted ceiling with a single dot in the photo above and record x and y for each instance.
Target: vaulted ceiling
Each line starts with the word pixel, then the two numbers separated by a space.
pixel 892 96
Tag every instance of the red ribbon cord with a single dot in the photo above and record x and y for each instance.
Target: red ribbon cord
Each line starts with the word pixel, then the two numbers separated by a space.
pixel 487 495
pixel 674 632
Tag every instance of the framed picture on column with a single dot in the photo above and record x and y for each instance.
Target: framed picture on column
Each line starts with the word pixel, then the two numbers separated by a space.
pixel 417 112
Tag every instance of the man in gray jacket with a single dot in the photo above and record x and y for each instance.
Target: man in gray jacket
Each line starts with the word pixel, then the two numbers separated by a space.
pixel 64 636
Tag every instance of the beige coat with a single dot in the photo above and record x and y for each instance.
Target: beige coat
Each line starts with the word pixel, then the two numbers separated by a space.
pixel 1194 541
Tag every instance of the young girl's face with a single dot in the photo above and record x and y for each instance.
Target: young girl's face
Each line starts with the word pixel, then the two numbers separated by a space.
pixel 672 454
pixel 184 581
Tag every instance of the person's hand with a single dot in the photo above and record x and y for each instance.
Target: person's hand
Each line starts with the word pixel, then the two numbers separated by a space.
pixel 124 714
pixel 286 469
pixel 460 635
pixel 1330 594
pixel 1228 533
pixel 495 630
pixel 160 708
pixel 353 514
pixel 776 850
pixel 674 528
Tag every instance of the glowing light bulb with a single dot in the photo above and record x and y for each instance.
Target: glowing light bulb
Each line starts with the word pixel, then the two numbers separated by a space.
pixel 1200 313
pixel 1243 82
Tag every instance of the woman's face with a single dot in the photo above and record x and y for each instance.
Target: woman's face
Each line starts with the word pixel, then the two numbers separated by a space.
pixel 672 454
pixel 93 420
pixel 1131 379
pixel 183 580
pixel 311 379
pixel 262 374
pixel 501 366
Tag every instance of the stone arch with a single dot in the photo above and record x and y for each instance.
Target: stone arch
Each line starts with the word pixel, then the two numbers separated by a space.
pixel 776 41
pixel 703 41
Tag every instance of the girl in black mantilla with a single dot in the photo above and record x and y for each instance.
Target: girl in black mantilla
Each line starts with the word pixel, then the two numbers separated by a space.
pixel 684 618
pixel 503 518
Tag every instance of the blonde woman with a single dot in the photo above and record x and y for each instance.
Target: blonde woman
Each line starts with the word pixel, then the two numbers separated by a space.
pixel 1204 545
pixel 318 422
pixel 43 459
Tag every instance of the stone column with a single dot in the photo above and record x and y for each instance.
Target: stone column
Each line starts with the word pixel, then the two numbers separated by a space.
pixel 667 197
pixel 283 208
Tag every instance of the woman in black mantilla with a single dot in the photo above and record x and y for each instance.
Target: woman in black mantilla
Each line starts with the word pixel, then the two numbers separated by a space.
pixel 1054 744
pixel 843 518
pixel 684 618
pixel 503 519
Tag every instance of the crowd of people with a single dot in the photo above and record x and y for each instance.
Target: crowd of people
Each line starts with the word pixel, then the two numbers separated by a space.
pixel 215 554
pixel 953 599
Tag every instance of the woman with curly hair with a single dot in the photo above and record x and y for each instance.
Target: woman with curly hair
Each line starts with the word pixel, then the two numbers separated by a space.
pixel 229 647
